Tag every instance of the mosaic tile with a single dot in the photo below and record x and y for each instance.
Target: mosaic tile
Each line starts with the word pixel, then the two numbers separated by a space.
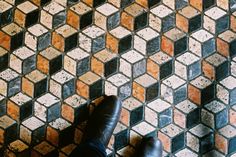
pixel 171 62
pixel 23 60
pixel 215 67
pixel 215 115
pixel 226 92
pixel 132 64
pixel 216 20
pixel 160 65
pixel 119 40
pixel 188 66
pixel 164 112
pixel 47 108
pixel 20 107
pixel 173 89
pixel 11 36
pixel 188 19
pixel 174 42
pixel 172 138
pixel 226 136
pixel 202 5
pixel 200 138
pixel 190 115
pixel 10 82
pixel 201 90
pixel 107 16
pixel 202 43
pixel 26 14
pixel 32 130
pixel 134 17
pixel 6 12
pixel 79 15
pixel 161 18
pixel 18 148
pixel 35 83
pixel 226 43
pixel 53 15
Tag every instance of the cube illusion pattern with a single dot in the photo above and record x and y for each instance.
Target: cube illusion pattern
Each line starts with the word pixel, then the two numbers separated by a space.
pixel 171 62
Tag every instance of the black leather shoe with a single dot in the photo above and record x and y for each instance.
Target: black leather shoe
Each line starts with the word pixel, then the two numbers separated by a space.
pixel 103 120
pixel 149 147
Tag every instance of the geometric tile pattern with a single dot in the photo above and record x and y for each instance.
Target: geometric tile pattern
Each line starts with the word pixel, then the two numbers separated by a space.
pixel 171 62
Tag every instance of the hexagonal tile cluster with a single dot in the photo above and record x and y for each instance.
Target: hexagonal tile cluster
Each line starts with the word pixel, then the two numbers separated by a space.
pixel 171 62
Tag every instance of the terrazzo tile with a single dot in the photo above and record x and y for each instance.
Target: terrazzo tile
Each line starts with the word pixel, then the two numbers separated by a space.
pixel 144 129
pixel 118 84
pixel 62 84
pixel 202 5
pixel 215 67
pixel 32 130
pixel 132 111
pixel 8 129
pixel 145 88
pixel 174 42
pixel 18 148
pixel 225 139
pixel 201 90
pixel 59 132
pixel 37 37
pixel 186 152
pixel 176 4
pixel 3 107
pixel 64 38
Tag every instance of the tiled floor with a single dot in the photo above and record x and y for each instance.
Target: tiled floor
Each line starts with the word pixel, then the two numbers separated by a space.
pixel 171 62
